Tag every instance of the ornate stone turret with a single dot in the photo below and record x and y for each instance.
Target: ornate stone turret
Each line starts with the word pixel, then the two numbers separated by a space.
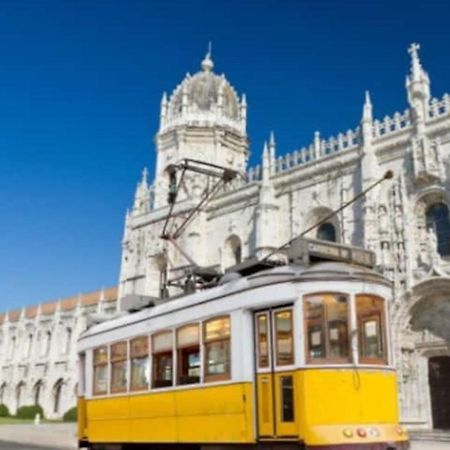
pixel 203 119
pixel 426 153
pixel 267 209
pixel 205 98
pixel 418 89
pixel 272 152
pixel 142 197
pixel 370 169
pixel 370 172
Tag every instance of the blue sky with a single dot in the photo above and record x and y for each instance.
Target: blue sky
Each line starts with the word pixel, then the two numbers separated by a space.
pixel 80 87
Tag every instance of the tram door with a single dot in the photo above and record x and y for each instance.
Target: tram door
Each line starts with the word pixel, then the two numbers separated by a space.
pixel 275 383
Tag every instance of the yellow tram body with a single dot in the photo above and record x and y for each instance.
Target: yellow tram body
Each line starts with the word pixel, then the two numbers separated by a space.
pixel 226 414
pixel 306 401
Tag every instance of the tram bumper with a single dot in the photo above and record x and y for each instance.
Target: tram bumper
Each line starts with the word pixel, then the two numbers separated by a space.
pixel 357 437
pixel 401 445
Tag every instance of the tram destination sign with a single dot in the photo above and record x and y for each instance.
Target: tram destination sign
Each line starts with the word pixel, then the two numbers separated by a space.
pixel 308 250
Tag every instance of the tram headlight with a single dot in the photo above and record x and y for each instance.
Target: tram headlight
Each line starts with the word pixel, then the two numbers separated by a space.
pixel 348 432
pixel 374 432
pixel 400 430
pixel 361 432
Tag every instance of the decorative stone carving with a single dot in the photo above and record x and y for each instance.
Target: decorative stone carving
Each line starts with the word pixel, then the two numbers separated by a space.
pixel 427 161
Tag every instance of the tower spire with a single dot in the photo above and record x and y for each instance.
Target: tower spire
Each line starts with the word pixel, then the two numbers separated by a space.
pixel 272 150
pixel 367 109
pixel 142 196
pixel 265 162
pixel 418 86
pixel 207 63
pixel 416 67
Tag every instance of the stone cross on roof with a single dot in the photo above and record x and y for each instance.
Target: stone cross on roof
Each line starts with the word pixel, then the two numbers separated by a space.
pixel 413 50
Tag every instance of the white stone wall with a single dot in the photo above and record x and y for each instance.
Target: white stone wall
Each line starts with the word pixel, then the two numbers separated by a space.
pixel 38 358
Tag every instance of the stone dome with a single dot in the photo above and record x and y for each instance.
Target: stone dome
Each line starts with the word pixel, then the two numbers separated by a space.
pixel 204 96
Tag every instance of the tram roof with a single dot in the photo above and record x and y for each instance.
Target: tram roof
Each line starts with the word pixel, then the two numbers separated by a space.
pixel 320 271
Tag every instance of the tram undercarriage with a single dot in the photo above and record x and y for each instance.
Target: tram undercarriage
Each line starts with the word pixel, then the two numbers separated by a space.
pixel 280 445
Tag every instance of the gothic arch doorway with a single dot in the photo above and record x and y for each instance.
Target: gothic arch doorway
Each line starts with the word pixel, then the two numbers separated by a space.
pixel 439 376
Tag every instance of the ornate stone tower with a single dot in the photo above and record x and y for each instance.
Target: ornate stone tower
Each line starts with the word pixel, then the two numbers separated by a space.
pixel 203 119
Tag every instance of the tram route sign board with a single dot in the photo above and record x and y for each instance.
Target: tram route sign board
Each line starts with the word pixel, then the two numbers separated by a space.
pixel 305 251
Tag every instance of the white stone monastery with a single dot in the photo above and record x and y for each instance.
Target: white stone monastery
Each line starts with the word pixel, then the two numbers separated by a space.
pixel 405 221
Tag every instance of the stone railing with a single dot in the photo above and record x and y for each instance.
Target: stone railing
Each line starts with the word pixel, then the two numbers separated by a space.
pixel 392 124
pixel 201 118
pixel 254 174
pixel 318 150
pixel 439 107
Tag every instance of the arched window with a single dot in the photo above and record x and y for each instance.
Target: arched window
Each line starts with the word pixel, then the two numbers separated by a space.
pixel 19 394
pixel 29 345
pixel 37 392
pixel 12 347
pixel 57 389
pixel 232 253
pixel 327 232
pixel 2 393
pixel 68 340
pixel 48 341
pixel 437 217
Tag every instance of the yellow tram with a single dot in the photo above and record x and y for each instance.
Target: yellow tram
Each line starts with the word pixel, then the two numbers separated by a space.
pixel 295 355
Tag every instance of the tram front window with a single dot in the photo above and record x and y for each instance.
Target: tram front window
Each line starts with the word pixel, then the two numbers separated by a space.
pixel 188 344
pixel 217 349
pixel 162 360
pixel 326 322
pixel 371 334
pixel 263 349
pixel 284 339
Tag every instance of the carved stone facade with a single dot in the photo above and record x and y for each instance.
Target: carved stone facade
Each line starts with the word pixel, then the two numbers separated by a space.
pixel 403 220
pixel 38 358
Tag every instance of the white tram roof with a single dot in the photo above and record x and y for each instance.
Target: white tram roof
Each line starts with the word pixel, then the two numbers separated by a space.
pixel 322 271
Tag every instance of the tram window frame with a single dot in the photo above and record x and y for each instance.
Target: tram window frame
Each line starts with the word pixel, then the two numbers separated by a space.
pixel 381 323
pixel 324 330
pixel 139 355
pixel 157 357
pixel 208 342
pixel 276 333
pixel 100 364
pixel 263 364
pixel 184 351
pixel 120 359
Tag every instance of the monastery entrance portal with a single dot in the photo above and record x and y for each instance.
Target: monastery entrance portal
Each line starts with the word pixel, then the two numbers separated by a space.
pixel 439 376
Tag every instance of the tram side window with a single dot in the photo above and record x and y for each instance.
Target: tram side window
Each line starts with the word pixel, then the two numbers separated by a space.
pixel 100 370
pixel 140 366
pixel 188 357
pixel 326 325
pixel 162 359
pixel 119 362
pixel 217 349
pixel 284 338
pixel 371 335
